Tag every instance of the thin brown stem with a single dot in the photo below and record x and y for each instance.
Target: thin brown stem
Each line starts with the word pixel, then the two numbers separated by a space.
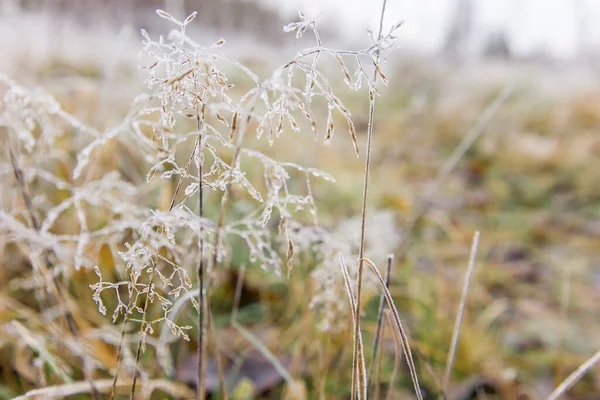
pixel 357 333
pixel 461 312
pixel 200 388
pixel 113 390
pixel 140 341
pixel 399 328
pixel 574 377
pixel 380 318
pixel 221 221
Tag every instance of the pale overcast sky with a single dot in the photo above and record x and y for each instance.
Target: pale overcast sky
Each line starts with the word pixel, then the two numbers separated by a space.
pixel 556 25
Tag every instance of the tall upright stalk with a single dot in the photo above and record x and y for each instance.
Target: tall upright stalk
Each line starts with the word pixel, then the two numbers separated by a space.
pixel 358 355
pixel 201 390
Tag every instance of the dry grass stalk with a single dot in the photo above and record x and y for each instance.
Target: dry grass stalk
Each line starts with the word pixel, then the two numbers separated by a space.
pixel 574 377
pixel 461 311
pixel 398 328
pixel 142 332
pixel 359 389
pixel 359 355
pixel 103 386
pixel 184 76
pixel 380 317
pixel 46 266
pixel 113 391
pixel 200 388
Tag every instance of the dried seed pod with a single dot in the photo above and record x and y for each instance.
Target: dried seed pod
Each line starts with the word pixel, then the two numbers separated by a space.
pixel 290 254
pixel 167 16
pixel 383 77
pixel 234 124
pixel 279 126
pixel 293 123
pixel 353 136
pixel 221 119
pixel 344 69
pixel 329 134
pixel 313 127
pixel 179 77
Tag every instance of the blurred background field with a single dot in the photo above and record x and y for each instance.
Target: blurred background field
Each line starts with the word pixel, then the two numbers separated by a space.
pixel 530 184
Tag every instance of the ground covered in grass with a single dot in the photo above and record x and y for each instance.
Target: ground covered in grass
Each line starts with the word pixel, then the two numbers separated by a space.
pixel 528 182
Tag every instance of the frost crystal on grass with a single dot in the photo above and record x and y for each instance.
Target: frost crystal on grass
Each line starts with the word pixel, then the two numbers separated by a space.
pixel 135 219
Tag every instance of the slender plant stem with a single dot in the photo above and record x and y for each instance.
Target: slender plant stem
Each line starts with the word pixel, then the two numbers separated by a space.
pixel 151 280
pixel 221 221
pixel 461 312
pixel 399 328
pixel 574 377
pixel 113 390
pixel 201 389
pixel 361 380
pixel 380 318
pixel 140 341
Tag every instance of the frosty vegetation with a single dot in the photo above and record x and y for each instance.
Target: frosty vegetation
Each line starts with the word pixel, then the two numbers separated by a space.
pixel 62 206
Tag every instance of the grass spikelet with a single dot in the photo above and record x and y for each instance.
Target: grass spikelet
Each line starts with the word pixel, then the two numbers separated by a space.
pixel 384 78
pixel 234 123
pixel 179 77
pixel 353 137
pixel 344 69
pixel 221 119
pixel 329 134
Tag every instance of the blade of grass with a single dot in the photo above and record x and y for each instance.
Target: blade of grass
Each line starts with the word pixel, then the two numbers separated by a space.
pixel 380 317
pixel 200 387
pixel 357 360
pixel 461 311
pixel 34 344
pixel 399 328
pixel 104 385
pixel 574 377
